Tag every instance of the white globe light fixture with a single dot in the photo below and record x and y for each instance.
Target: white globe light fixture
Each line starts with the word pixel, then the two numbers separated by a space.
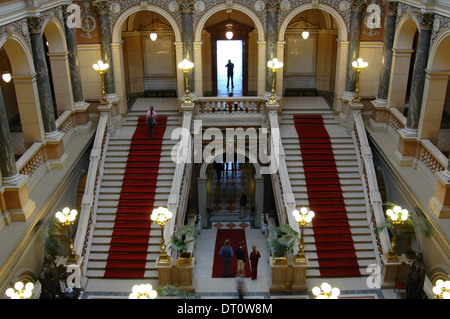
pixel 161 216
pixel 67 218
pixel 6 77
pixel 153 36
pixel 305 34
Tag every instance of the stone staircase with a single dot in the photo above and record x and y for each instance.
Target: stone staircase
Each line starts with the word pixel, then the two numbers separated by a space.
pixel 350 179
pixel 110 188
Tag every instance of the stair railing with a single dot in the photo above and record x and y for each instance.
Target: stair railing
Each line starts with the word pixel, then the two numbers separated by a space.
pixel 90 198
pixel 374 202
pixel 282 185
pixel 177 201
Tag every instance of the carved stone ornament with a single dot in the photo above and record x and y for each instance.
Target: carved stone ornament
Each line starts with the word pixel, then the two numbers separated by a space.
pixel 115 8
pixel 344 6
pixel 436 24
pixel 199 6
pixel 35 24
pixel 88 25
pixel 285 5
pixel 24 29
pixel 259 5
pixel 173 6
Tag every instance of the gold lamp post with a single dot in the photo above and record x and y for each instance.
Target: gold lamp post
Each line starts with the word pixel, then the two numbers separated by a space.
pixel 398 216
pixel 161 216
pixel 274 65
pixel 143 291
pixel 325 291
pixel 67 217
pixel 101 69
pixel 358 65
pixel 20 290
pixel 186 66
pixel 303 218
pixel 442 289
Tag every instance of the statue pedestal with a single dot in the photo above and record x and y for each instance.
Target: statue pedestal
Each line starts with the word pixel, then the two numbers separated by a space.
pixel 394 270
pixel 299 276
pixel 164 272
pixel 183 275
pixel 281 276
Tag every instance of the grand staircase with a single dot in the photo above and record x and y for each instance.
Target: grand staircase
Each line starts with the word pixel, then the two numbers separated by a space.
pixel 142 184
pixel 340 235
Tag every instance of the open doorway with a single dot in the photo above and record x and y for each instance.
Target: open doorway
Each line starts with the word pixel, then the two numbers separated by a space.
pixel 229 50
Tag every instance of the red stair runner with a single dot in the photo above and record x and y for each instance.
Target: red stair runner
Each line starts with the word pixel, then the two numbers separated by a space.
pixel 333 240
pixel 129 243
pixel 235 236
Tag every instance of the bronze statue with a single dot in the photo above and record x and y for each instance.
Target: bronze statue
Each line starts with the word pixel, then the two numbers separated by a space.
pixel 416 278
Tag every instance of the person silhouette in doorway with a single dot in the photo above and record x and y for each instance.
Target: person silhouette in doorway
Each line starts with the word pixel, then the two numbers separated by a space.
pixel 230 73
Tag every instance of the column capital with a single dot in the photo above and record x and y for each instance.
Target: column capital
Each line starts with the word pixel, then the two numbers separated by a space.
pixel 35 24
pixel 186 6
pixel 102 7
pixel 272 5
pixel 357 5
pixel 391 8
pixel 426 21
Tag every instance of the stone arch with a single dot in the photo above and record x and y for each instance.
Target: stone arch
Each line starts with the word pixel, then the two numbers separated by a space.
pixel 435 87
pixel 25 86
pixel 59 64
pixel 117 48
pixel 401 60
pixel 261 67
pixel 342 48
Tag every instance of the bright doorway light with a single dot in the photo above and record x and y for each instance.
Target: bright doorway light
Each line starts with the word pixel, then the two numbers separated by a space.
pixel 229 50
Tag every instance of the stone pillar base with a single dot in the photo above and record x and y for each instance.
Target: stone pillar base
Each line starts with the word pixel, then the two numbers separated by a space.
pixel 183 275
pixel 55 150
pixel 299 276
pixel 281 276
pixel 164 273
pixel 18 204
pixel 407 148
pixel 380 113
pixel 394 270
pixel 440 202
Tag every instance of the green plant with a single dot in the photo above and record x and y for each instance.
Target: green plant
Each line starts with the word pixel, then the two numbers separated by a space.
pixel 417 222
pixel 282 240
pixel 50 230
pixel 179 241
pixel 170 290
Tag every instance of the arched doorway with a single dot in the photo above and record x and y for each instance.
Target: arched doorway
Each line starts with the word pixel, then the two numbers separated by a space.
pixel 24 87
pixel 402 61
pixel 132 45
pixel 249 25
pixel 220 187
pixel 241 32
pixel 436 92
pixel 318 62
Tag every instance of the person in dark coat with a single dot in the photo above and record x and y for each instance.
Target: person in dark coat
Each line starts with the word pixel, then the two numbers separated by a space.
pixel 240 256
pixel 230 73
pixel 226 252
pixel 243 203
pixel 254 259
pixel 416 278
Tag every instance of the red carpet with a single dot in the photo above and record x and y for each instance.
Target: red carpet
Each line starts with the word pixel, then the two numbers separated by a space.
pixel 129 243
pixel 334 243
pixel 235 236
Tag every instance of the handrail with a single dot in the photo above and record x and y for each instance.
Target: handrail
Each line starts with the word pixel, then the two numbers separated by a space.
pixel 282 176
pixel 93 180
pixel 371 186
pixel 230 105
pixel 181 178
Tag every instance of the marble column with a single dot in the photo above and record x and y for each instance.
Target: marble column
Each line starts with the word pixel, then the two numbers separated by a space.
pixel 42 76
pixel 105 45
pixel 386 62
pixel 418 78
pixel 187 7
pixel 71 41
pixel 7 160
pixel 353 48
pixel 271 38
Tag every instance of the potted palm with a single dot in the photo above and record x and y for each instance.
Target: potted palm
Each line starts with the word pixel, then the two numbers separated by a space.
pixel 180 241
pixel 281 241
pixel 417 222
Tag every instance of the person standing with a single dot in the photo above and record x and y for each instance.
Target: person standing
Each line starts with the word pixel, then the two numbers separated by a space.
pixel 243 203
pixel 151 121
pixel 226 252
pixel 230 73
pixel 240 256
pixel 240 285
pixel 254 258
